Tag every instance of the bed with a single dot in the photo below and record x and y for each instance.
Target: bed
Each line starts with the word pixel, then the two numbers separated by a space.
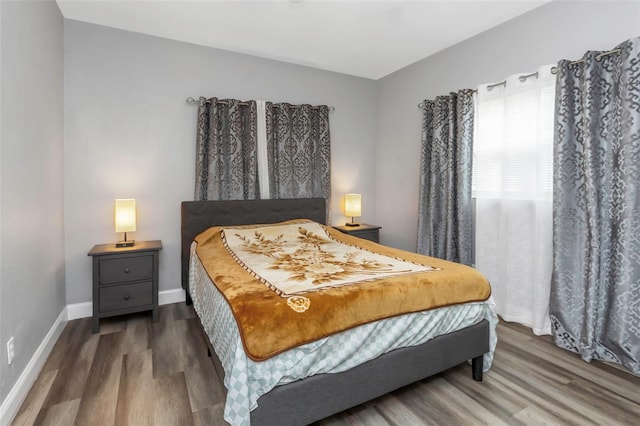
pixel 318 396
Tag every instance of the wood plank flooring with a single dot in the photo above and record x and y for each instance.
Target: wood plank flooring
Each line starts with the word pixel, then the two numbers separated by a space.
pixel 136 372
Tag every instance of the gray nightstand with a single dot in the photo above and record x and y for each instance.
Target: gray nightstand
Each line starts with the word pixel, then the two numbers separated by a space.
pixel 125 279
pixel 368 232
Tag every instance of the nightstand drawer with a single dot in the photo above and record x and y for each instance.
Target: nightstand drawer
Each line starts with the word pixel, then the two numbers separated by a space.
pixel 371 235
pixel 367 232
pixel 125 296
pixel 126 269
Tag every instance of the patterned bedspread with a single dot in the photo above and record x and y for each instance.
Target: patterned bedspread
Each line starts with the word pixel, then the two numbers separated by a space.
pixel 296 282
pixel 247 380
pixel 300 257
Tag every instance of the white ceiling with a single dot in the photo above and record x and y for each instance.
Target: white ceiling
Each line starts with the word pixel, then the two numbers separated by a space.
pixel 363 38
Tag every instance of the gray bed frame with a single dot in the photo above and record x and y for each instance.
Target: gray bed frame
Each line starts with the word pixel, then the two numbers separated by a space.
pixel 317 397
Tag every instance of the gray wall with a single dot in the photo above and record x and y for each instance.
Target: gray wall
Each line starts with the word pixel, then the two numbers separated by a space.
pixel 561 29
pixel 32 281
pixel 130 133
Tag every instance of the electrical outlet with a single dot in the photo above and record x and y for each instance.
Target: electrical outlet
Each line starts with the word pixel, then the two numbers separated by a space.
pixel 10 351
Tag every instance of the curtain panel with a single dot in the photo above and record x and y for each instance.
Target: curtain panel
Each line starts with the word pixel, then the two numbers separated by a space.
pixel 513 172
pixel 299 151
pixel 595 289
pixel 226 150
pixel 445 211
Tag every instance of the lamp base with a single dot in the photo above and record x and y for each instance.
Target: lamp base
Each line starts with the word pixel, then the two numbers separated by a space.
pixel 351 224
pixel 127 243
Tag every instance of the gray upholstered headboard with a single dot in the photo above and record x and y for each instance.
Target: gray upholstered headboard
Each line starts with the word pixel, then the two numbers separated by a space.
pixel 197 216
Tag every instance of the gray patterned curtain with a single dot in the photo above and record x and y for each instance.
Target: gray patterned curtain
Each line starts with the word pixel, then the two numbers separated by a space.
pixel 445 210
pixel 226 150
pixel 299 151
pixel 595 288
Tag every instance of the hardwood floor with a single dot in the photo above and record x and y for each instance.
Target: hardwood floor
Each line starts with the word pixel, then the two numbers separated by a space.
pixel 136 372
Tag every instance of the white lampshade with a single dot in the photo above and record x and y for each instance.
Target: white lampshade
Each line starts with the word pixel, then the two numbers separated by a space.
pixel 125 217
pixel 353 205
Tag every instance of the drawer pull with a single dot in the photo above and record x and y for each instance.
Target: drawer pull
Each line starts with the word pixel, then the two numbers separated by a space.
pixel 126 270
pixel 126 297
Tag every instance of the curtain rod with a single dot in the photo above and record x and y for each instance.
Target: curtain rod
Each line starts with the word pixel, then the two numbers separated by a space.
pixel 190 100
pixel 554 70
pixel 522 78
pixel 422 104
pixel 599 56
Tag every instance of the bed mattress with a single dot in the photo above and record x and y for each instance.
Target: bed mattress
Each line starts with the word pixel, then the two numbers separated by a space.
pixel 246 380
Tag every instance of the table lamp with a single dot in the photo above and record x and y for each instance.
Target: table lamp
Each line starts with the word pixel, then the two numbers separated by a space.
pixel 125 218
pixel 352 207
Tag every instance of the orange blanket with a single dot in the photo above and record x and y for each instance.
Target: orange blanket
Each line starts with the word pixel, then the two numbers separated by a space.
pixel 292 283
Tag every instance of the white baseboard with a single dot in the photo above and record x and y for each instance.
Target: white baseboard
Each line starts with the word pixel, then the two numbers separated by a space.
pixel 19 391
pixel 167 297
pixel 85 309
pixel 80 310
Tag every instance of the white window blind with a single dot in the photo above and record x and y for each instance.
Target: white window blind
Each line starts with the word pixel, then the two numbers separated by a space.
pixel 263 156
pixel 513 141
